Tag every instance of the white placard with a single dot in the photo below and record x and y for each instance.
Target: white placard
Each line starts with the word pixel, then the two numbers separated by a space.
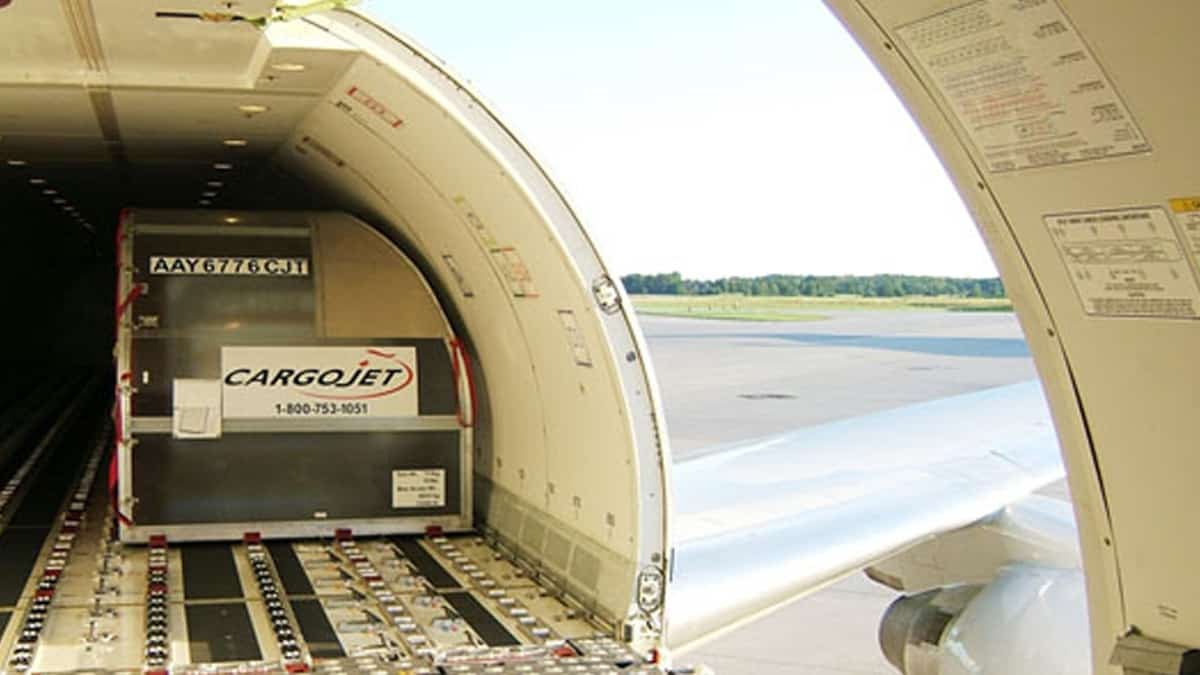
pixel 1187 215
pixel 1023 85
pixel 329 382
pixel 578 344
pixel 1126 262
pixel 418 488
pixel 228 266
pixel 195 408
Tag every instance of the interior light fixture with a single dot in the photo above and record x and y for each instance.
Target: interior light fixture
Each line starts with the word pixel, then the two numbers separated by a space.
pixel 205 202
pixel 222 166
pixel 253 108
pixel 235 142
pixel 60 200
pixel 16 162
pixel 37 181
pixel 49 191
pixel 232 219
pixel 208 194
pixel 288 67
pixel 215 184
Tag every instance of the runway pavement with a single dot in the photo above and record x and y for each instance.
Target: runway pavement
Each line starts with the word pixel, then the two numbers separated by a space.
pixel 729 380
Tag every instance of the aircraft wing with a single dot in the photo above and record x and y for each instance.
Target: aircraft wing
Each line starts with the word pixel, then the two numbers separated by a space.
pixel 761 523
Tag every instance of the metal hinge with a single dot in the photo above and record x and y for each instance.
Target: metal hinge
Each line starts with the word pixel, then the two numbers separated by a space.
pixel 606 294
pixel 1140 655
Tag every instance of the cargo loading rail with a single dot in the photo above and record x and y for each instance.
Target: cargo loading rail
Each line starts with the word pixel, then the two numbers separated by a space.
pixel 407 604
pixel 73 598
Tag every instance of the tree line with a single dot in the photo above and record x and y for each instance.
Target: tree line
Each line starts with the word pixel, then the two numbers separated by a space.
pixel 873 286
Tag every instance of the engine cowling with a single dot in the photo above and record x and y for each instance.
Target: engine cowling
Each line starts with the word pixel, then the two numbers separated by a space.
pixel 1029 620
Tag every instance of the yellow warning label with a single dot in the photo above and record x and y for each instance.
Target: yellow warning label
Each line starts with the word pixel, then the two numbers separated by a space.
pixel 1185 204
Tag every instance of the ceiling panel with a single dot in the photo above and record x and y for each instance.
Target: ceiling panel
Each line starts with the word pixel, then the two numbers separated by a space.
pixel 59 110
pixel 321 69
pixel 43 49
pixel 210 115
pixel 174 149
pixel 139 46
pixel 52 150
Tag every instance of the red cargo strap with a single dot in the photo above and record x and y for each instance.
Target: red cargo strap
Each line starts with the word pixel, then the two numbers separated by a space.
pixel 112 492
pixel 118 416
pixel 133 294
pixel 113 464
pixel 458 355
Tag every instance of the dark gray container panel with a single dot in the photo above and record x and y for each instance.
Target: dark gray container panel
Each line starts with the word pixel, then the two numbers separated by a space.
pixel 233 307
pixel 286 476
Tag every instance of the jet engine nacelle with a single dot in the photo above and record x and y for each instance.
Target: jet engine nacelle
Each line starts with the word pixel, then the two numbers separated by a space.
pixel 1030 619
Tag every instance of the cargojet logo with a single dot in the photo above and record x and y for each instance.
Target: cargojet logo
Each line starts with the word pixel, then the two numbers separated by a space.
pixel 375 375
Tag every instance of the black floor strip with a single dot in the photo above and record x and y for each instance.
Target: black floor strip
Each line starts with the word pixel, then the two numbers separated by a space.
pixel 316 629
pixel 291 572
pixel 26 532
pixel 209 572
pixel 41 504
pixel 18 552
pixel 429 568
pixel 485 625
pixel 4 617
pixel 223 632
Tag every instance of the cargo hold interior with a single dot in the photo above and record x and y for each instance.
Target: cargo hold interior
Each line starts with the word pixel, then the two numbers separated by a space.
pixel 109 107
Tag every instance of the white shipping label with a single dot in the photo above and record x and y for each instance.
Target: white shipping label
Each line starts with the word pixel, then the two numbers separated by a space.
pixel 1126 262
pixel 1022 84
pixel 195 408
pixel 296 382
pixel 228 266
pixel 418 488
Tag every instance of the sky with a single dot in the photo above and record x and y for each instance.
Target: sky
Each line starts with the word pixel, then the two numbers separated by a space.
pixel 710 137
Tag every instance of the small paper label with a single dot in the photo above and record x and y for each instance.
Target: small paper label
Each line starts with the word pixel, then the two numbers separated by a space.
pixel 418 488
pixel 196 408
pixel 575 338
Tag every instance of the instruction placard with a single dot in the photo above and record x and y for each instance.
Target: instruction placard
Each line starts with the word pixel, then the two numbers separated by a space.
pixel 1022 84
pixel 418 488
pixel 1126 262
pixel 1187 216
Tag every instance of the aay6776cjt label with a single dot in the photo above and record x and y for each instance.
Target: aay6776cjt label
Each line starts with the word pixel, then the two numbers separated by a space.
pixel 228 266
pixel 295 382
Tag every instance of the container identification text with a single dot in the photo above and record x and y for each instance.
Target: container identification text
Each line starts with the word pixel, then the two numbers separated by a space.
pixel 228 266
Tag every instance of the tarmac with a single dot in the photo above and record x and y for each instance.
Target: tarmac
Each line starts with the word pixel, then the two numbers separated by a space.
pixel 731 380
